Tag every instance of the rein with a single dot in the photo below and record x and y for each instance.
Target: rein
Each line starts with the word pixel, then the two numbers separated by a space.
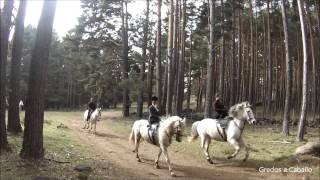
pixel 176 133
pixel 224 136
pixel 241 129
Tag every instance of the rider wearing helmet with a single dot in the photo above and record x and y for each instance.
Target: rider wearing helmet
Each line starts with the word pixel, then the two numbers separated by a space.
pixel 154 113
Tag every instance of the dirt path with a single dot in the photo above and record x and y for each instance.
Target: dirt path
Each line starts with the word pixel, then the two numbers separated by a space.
pixel 117 149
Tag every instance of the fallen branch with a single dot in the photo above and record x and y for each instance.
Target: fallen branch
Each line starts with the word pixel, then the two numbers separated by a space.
pixel 57 160
pixel 281 142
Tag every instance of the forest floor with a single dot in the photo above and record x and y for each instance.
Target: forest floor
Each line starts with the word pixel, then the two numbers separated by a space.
pixel 109 153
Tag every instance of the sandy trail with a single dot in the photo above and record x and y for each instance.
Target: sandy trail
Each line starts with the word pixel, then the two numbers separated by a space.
pixel 117 149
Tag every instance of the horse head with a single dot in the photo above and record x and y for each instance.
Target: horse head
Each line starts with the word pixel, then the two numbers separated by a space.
pixel 99 112
pixel 178 127
pixel 243 111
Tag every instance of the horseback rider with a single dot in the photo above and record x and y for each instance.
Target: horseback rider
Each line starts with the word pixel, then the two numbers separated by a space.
pixel 219 108
pixel 154 112
pixel 92 106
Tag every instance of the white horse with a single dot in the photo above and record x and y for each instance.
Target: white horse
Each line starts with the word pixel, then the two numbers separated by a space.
pixel 173 125
pixel 209 129
pixel 95 116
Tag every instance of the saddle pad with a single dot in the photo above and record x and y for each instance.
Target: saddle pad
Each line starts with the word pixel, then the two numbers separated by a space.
pixel 152 132
pixel 223 122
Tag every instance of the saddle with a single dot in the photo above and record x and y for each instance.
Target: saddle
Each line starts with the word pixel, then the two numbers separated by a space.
pixel 223 123
pixel 152 132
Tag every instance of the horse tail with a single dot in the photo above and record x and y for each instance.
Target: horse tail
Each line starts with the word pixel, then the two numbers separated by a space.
pixel 194 132
pixel 131 137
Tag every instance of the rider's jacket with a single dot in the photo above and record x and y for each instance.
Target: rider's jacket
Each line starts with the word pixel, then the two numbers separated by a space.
pixel 154 115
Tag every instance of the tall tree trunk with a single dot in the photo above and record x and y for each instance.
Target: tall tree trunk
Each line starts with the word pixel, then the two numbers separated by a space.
pixel 251 55
pixel 189 74
pixel 286 116
pixel 150 74
pixel 269 91
pixel 164 89
pixel 170 60
pixel 233 81
pixel 210 67
pixel 125 65
pixel 317 62
pixel 4 37
pixel 32 146
pixel 175 54
pixel 238 79
pixel 301 130
pixel 313 89
pixel 14 92
pixel 180 88
pixel 144 57
pixel 158 54
pixel 222 58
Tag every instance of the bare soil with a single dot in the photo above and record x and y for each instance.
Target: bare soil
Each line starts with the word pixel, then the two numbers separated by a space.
pixel 117 149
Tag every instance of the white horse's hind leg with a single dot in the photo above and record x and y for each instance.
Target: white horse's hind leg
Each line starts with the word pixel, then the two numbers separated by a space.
pixel 164 150
pixel 206 149
pixel 236 144
pixel 157 160
pixel 205 141
pixel 136 143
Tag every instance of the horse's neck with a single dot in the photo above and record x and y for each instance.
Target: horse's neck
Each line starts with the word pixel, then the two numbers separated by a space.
pixel 94 113
pixel 238 122
pixel 167 126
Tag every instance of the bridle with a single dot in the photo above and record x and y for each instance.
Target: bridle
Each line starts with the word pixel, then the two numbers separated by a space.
pixel 249 114
pixel 178 132
pixel 99 113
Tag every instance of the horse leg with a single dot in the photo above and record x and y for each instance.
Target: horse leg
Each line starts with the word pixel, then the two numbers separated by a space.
pixel 85 123
pixel 206 150
pixel 95 127
pixel 157 160
pixel 164 150
pixel 136 143
pixel 243 144
pixel 236 145
pixel 88 124
pixel 205 147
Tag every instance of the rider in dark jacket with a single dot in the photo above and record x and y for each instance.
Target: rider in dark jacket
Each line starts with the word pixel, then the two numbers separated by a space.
pixel 92 106
pixel 219 108
pixel 154 113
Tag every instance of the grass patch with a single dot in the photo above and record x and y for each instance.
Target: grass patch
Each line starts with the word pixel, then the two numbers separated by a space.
pixel 60 144
pixel 63 144
pixel 264 152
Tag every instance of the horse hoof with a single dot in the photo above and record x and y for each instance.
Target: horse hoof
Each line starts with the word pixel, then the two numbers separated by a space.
pixel 139 160
pixel 229 157
pixel 244 160
pixel 133 151
pixel 157 166
pixel 173 174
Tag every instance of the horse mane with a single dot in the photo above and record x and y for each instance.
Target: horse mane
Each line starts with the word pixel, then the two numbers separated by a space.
pixel 169 123
pixel 235 109
pixel 169 120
